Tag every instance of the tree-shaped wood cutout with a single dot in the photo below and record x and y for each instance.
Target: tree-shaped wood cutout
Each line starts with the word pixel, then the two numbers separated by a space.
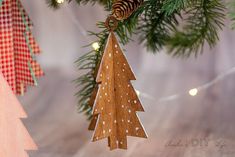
pixel 116 101
pixel 91 104
pixel 14 138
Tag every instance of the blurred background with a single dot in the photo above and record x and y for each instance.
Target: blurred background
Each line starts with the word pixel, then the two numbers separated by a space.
pixel 178 124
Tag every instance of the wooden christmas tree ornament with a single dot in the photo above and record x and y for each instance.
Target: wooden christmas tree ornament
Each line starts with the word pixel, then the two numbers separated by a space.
pixel 116 101
pixel 14 138
pixel 91 103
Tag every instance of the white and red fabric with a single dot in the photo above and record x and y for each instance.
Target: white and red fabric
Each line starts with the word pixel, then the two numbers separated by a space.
pixel 17 47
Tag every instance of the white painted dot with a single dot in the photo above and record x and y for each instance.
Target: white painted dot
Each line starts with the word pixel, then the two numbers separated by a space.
pixel 101 75
pixel 121 142
pixel 108 78
pixel 103 87
pixel 129 111
pixel 122 106
pixel 110 114
pixel 128 85
pixel 108 100
pixel 103 122
pixel 121 96
pixel 102 108
pixel 103 131
pixel 127 94
pixel 96 110
pixel 106 83
pixel 116 51
pixel 129 101
pixel 115 121
pixel 128 121
pixel 117 63
pixel 122 120
pixel 105 94
pixel 123 70
pixel 107 67
pixel 117 142
pixel 137 128
pixel 116 46
pixel 100 96
pixel 118 74
pixel 109 130
pixel 97 138
pixel 135 101
pixel 127 131
pixel 124 64
pixel 110 55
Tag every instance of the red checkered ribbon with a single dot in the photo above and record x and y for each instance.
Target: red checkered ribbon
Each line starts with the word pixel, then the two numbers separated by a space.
pixel 17 47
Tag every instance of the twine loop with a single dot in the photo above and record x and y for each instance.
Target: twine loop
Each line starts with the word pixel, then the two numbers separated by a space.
pixel 111 23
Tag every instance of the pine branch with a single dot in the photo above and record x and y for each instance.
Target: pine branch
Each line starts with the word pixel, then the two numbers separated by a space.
pixel 205 19
pixel 156 24
pixel 86 82
pixel 171 6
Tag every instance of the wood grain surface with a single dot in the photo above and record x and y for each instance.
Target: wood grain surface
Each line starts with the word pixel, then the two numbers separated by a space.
pixel 116 102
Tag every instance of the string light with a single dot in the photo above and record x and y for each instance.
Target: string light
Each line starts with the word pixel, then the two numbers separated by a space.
pixel 220 77
pixel 96 46
pixel 193 92
pixel 60 1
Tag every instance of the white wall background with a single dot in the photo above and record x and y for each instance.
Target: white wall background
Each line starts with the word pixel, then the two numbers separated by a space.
pixel 60 33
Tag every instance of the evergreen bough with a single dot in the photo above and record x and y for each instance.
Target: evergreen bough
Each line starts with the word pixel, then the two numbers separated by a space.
pixel 182 26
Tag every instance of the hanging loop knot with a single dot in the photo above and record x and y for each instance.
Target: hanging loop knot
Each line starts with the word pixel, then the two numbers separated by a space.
pixel 111 23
